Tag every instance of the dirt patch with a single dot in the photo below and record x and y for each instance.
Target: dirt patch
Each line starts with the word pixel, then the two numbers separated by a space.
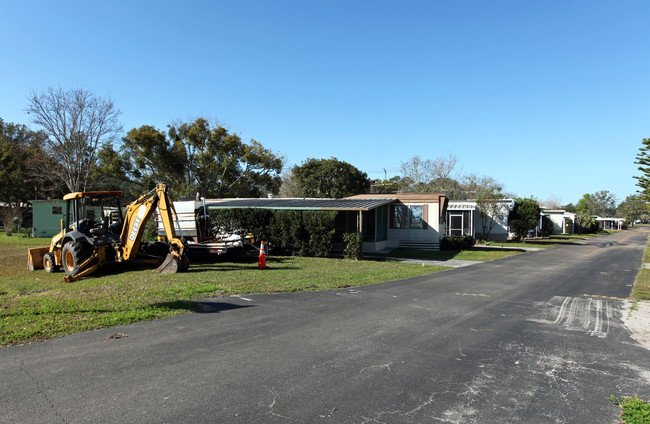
pixel 638 321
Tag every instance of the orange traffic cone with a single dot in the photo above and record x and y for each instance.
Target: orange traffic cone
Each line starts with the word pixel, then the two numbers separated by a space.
pixel 261 263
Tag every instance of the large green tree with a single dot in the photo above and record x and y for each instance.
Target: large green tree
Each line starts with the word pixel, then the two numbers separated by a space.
pixel 22 166
pixel 602 203
pixel 583 213
pixel 633 207
pixel 221 164
pixel 330 178
pixel 524 217
pixel 643 160
pixel 194 157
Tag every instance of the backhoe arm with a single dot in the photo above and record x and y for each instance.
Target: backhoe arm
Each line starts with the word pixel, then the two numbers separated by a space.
pixel 138 214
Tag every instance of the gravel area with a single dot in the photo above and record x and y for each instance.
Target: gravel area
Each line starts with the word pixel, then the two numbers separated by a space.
pixel 638 322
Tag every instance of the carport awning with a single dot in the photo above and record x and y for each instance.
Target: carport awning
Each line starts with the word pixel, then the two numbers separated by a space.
pixel 300 204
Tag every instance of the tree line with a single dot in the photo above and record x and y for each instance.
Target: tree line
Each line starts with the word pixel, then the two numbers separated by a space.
pixel 78 147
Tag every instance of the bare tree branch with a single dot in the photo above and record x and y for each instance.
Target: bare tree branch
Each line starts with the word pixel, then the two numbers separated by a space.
pixel 77 121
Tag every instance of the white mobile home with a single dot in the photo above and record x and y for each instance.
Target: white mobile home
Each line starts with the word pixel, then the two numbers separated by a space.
pixel 563 221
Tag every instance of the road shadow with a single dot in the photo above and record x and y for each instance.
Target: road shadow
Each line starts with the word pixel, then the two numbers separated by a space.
pixel 200 307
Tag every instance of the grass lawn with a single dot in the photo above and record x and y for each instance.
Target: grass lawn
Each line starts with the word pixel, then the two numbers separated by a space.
pixel 35 305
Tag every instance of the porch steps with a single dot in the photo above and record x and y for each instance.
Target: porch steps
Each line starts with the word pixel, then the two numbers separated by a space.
pixel 420 245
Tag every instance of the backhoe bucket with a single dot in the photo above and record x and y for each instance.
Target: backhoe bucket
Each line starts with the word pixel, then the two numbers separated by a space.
pixel 35 257
pixel 170 265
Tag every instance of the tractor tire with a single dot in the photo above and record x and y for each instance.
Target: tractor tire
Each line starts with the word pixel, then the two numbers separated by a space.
pixel 73 254
pixel 49 264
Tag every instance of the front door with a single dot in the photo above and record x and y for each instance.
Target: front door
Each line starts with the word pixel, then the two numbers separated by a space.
pixel 456 224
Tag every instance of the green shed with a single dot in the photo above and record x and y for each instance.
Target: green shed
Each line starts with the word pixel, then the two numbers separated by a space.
pixel 47 216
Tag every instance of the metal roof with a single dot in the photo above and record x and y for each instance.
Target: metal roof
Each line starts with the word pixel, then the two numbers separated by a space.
pixel 300 204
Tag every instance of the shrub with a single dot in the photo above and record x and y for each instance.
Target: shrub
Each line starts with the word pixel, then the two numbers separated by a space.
pixel 353 245
pixel 288 234
pixel 547 226
pixel 635 410
pixel 320 228
pixel 523 217
pixel 457 243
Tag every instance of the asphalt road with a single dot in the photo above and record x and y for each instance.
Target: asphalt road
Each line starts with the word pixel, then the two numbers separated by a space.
pixel 535 338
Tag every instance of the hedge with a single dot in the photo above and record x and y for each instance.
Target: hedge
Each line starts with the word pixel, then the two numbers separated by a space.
pixel 300 233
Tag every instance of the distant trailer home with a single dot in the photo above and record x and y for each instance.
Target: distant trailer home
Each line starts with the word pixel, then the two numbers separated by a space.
pixel 563 221
pixel 610 223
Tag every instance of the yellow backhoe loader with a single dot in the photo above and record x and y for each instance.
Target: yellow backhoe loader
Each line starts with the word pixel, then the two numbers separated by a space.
pixel 86 242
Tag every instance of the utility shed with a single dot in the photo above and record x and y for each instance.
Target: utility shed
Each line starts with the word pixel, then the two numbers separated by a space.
pixel 47 216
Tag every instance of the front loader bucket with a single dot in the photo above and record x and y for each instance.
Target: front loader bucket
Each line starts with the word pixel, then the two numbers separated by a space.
pixel 35 257
pixel 171 264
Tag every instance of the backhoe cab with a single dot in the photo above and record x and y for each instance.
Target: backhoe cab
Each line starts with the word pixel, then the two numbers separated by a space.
pixel 87 241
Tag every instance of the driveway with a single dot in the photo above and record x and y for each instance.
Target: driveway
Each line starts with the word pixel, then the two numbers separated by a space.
pixel 538 337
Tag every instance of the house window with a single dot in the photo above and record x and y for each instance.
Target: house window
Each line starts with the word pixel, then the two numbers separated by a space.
pixel 57 210
pixel 417 217
pixel 399 217
pixel 407 217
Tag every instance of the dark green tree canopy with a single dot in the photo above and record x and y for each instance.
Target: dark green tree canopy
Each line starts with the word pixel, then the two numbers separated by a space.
pixel 23 165
pixel 329 178
pixel 23 170
pixel 194 157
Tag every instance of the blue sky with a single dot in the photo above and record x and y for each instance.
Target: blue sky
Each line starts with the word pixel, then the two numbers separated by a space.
pixel 550 98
